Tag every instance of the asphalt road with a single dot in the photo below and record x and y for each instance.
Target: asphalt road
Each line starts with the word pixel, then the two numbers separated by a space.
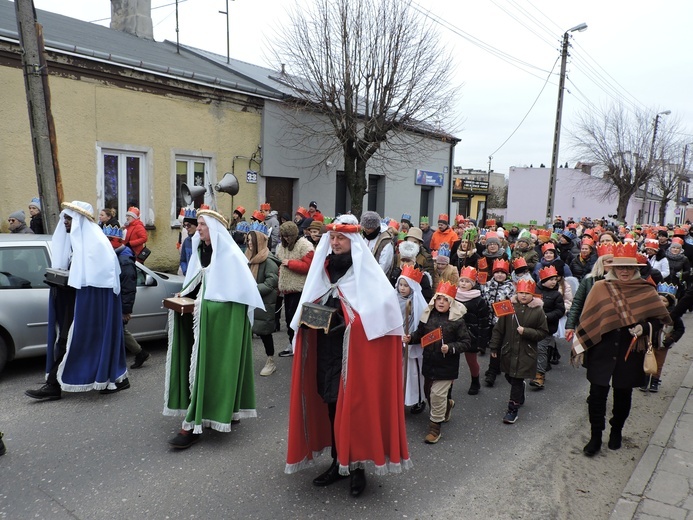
pixel 92 456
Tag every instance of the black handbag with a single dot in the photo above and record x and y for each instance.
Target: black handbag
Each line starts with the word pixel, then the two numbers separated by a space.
pixel 144 254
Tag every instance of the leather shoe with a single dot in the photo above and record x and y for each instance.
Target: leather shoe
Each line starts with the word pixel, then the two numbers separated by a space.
pixel 358 482
pixel 123 385
pixel 184 439
pixel 329 477
pixel 47 392
pixel 140 359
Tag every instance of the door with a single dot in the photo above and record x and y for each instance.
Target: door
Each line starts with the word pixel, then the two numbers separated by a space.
pixel 280 194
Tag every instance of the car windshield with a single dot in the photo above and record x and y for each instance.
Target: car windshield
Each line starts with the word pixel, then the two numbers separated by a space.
pixel 23 267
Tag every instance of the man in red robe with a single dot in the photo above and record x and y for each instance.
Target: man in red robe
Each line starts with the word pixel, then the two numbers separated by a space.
pixel 346 388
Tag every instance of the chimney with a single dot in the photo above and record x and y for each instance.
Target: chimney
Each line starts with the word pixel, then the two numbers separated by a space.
pixel 133 17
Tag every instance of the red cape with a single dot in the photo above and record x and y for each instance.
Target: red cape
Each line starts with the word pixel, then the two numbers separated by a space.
pixel 369 425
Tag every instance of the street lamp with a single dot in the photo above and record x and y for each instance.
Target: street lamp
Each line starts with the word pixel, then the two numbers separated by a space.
pixel 559 113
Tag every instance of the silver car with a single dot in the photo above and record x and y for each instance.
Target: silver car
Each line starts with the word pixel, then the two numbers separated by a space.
pixel 24 298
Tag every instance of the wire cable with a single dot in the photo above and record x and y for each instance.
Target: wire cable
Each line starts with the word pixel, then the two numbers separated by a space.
pixel 157 7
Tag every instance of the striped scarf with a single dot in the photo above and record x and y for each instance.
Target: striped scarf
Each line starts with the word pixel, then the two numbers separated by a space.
pixel 612 304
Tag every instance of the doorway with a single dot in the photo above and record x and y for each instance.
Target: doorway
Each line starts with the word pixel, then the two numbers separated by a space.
pixel 280 194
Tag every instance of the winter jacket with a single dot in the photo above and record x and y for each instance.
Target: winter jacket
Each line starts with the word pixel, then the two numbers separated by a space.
pixel 581 267
pixel 468 258
pixel 557 263
pixel 518 353
pixel 439 237
pixel 267 281
pixel 679 267
pixel 554 308
pixel 425 260
pixel 135 236
pixel 22 229
pixel 427 235
pixel 477 321
pixel 493 292
pixel 436 366
pixel 36 224
pixel 579 301
pixel 659 261
pixel 449 274
pixel 128 278
pixel 185 253
pixel 530 255
pixel 293 277
pixel 272 224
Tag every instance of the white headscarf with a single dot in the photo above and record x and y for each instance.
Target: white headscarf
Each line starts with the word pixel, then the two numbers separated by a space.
pixel 227 278
pixel 417 300
pixel 85 251
pixel 367 290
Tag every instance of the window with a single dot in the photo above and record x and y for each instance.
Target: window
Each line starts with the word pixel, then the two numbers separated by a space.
pixel 192 171
pixel 23 267
pixel 123 176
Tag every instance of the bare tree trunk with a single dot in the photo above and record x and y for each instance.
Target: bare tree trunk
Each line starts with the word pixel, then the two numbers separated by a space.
pixel 663 209
pixel 623 200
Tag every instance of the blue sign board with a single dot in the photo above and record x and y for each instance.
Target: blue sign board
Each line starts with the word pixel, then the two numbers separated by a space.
pixel 424 178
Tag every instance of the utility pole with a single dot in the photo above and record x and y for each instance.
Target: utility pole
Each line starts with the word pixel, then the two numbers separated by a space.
pixel 649 165
pixel 557 130
pixel 40 119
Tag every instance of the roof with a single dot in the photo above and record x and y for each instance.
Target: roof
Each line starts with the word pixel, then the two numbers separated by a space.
pixel 90 41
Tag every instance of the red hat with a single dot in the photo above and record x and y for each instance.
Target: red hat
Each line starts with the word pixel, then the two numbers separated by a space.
pixel 443 217
pixel 625 255
pixel 605 249
pixel 258 215
pixel 240 210
pixel 469 273
pixel 589 241
pixel 641 258
pixel 447 289
pixel 680 232
pixel 393 224
pixel 548 246
pixel 412 273
pixel 547 272
pixel 266 206
pixel 490 222
pixel 460 219
pixel 133 212
pixel 651 243
pixel 526 286
pixel 501 265
pixel 677 240
pixel 303 212
pixel 519 263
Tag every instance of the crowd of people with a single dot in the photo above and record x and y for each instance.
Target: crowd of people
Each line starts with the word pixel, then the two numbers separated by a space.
pixel 379 314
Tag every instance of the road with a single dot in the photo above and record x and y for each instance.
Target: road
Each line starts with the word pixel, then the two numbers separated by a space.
pixel 92 456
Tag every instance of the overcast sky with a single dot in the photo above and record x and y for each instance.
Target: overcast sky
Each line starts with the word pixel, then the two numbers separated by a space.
pixel 636 51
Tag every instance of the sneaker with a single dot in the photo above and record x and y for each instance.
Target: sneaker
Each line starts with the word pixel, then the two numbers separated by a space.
pixel 269 368
pixel 140 359
pixel 646 386
pixel 123 385
pixel 538 381
pixel 287 352
pixel 418 408
pixel 184 439
pixel 654 385
pixel 510 416
pixel 45 393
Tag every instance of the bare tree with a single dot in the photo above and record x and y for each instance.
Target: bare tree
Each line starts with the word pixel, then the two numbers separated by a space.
pixel 623 143
pixel 498 197
pixel 375 69
pixel 667 181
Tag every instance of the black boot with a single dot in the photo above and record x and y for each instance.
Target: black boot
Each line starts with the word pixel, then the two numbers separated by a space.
pixel 330 476
pixel 596 409
pixel 615 439
pixel 48 392
pixel 474 387
pixel 140 359
pixel 358 482
pixel 490 378
pixel 594 445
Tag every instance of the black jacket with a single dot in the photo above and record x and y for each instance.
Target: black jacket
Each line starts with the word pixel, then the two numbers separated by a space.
pixel 477 321
pixel 128 278
pixel 554 307
pixel 437 367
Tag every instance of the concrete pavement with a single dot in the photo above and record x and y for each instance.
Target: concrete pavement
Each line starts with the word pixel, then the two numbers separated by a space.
pixel 661 487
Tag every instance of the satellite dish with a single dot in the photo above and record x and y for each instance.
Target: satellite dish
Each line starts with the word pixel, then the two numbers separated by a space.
pixel 191 193
pixel 228 184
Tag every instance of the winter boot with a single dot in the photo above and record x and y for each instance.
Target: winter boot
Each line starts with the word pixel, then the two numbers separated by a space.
pixel 538 381
pixel 140 359
pixel 490 378
pixel 358 482
pixel 448 410
pixel 433 434
pixel 646 386
pixel 475 386
pixel 654 384
pixel 594 445
pixel 511 415
pixel 555 356
pixel 615 438
pixel 269 368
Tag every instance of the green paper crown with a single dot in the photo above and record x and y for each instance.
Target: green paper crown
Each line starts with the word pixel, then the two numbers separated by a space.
pixel 328 220
pixel 470 234
pixel 424 220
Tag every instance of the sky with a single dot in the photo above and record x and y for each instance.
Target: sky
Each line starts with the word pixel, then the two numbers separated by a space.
pixel 635 52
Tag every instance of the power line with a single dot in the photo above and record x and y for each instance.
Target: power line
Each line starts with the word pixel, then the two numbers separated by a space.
pixel 157 7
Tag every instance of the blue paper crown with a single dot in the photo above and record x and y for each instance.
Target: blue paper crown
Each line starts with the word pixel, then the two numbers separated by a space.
pixel 444 250
pixel 113 232
pixel 406 216
pixel 243 227
pixel 667 288
pixel 190 213
pixel 258 226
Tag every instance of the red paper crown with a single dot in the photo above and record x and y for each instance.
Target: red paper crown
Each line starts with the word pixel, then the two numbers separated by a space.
pixel 625 251
pixel 259 215
pixel 587 241
pixel 501 265
pixel 447 289
pixel 519 263
pixel 303 212
pixel 543 232
pixel 605 249
pixel 490 222
pixel 444 217
pixel 677 240
pixel 547 272
pixel 589 233
pixel 527 286
pixel 641 258
pixel 547 246
pixel 651 243
pixel 240 210
pixel 680 232
pixel 266 206
pixel 460 219
pixel 468 272
pixel 393 224
pixel 412 273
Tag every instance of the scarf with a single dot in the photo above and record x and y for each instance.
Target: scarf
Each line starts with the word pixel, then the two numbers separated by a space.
pixel 671 256
pixel 259 242
pixel 465 296
pixel 612 304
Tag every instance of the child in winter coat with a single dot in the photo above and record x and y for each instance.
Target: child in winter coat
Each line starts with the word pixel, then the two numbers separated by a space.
pixel 500 287
pixel 514 341
pixel 412 305
pixel 477 320
pixel 554 309
pixel 442 323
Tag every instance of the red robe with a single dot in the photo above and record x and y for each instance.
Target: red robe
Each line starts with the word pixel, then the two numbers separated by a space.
pixel 369 424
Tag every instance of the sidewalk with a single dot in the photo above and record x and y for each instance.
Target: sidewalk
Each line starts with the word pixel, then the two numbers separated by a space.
pixel 662 484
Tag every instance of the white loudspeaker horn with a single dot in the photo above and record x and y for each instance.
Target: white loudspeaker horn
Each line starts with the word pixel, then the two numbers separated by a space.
pixel 228 184
pixel 191 193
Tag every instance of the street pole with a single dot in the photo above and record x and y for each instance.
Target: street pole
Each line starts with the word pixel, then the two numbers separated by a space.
pixel 649 165
pixel 557 130
pixel 41 124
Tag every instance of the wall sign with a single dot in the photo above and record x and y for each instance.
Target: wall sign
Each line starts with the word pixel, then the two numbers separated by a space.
pixel 251 177
pixel 425 178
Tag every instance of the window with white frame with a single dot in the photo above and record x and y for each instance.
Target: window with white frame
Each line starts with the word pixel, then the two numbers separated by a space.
pixel 125 179
pixel 192 171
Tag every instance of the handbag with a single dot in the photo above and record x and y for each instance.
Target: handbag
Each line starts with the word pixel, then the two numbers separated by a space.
pixel 144 254
pixel 650 363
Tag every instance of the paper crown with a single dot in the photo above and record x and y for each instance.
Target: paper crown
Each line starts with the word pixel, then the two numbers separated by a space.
pixel 303 212
pixel 345 223
pixel 392 223
pixel 460 219
pixel 189 213
pixel 423 220
pixel 406 216
pixel 526 286
pixel 447 289
pixel 520 263
pixel 444 218
pixel 469 234
pixel 680 232
pixel 266 206
pixel 587 241
pixel 327 220
pixel 547 247
pixel 501 265
pixel 469 273
pixel 526 236
pixel 213 214
pixel 605 249
pixel 641 258
pixel 444 249
pixel 258 215
pixel 412 273
pixel 547 272
pixel 113 232
pixel 257 226
pixel 240 210
pixel 243 227
pixel 651 243
pixel 543 232
pixel 677 240
pixel 667 288
pixel 490 222
pixel 625 254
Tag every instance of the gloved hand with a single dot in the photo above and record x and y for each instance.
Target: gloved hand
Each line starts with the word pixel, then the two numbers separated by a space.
pixel 576 359
pixel 636 331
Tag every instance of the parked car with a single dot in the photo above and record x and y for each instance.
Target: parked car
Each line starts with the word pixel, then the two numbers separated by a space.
pixel 24 298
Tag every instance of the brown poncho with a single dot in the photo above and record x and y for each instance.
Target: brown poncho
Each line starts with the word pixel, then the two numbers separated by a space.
pixel 612 304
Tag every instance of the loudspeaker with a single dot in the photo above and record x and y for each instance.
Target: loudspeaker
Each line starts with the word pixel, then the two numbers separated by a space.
pixel 228 184
pixel 191 193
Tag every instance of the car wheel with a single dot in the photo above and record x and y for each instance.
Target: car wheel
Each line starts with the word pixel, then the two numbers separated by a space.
pixel 3 354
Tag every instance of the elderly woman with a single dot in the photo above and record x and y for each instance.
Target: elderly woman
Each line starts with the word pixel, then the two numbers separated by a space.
pixel 679 265
pixel 619 314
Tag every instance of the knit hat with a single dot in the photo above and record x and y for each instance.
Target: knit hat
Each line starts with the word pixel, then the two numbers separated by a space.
pixel 36 202
pixel 288 229
pixel 492 238
pixel 316 224
pixel 408 250
pixel 133 212
pixel 370 220
pixel 19 215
